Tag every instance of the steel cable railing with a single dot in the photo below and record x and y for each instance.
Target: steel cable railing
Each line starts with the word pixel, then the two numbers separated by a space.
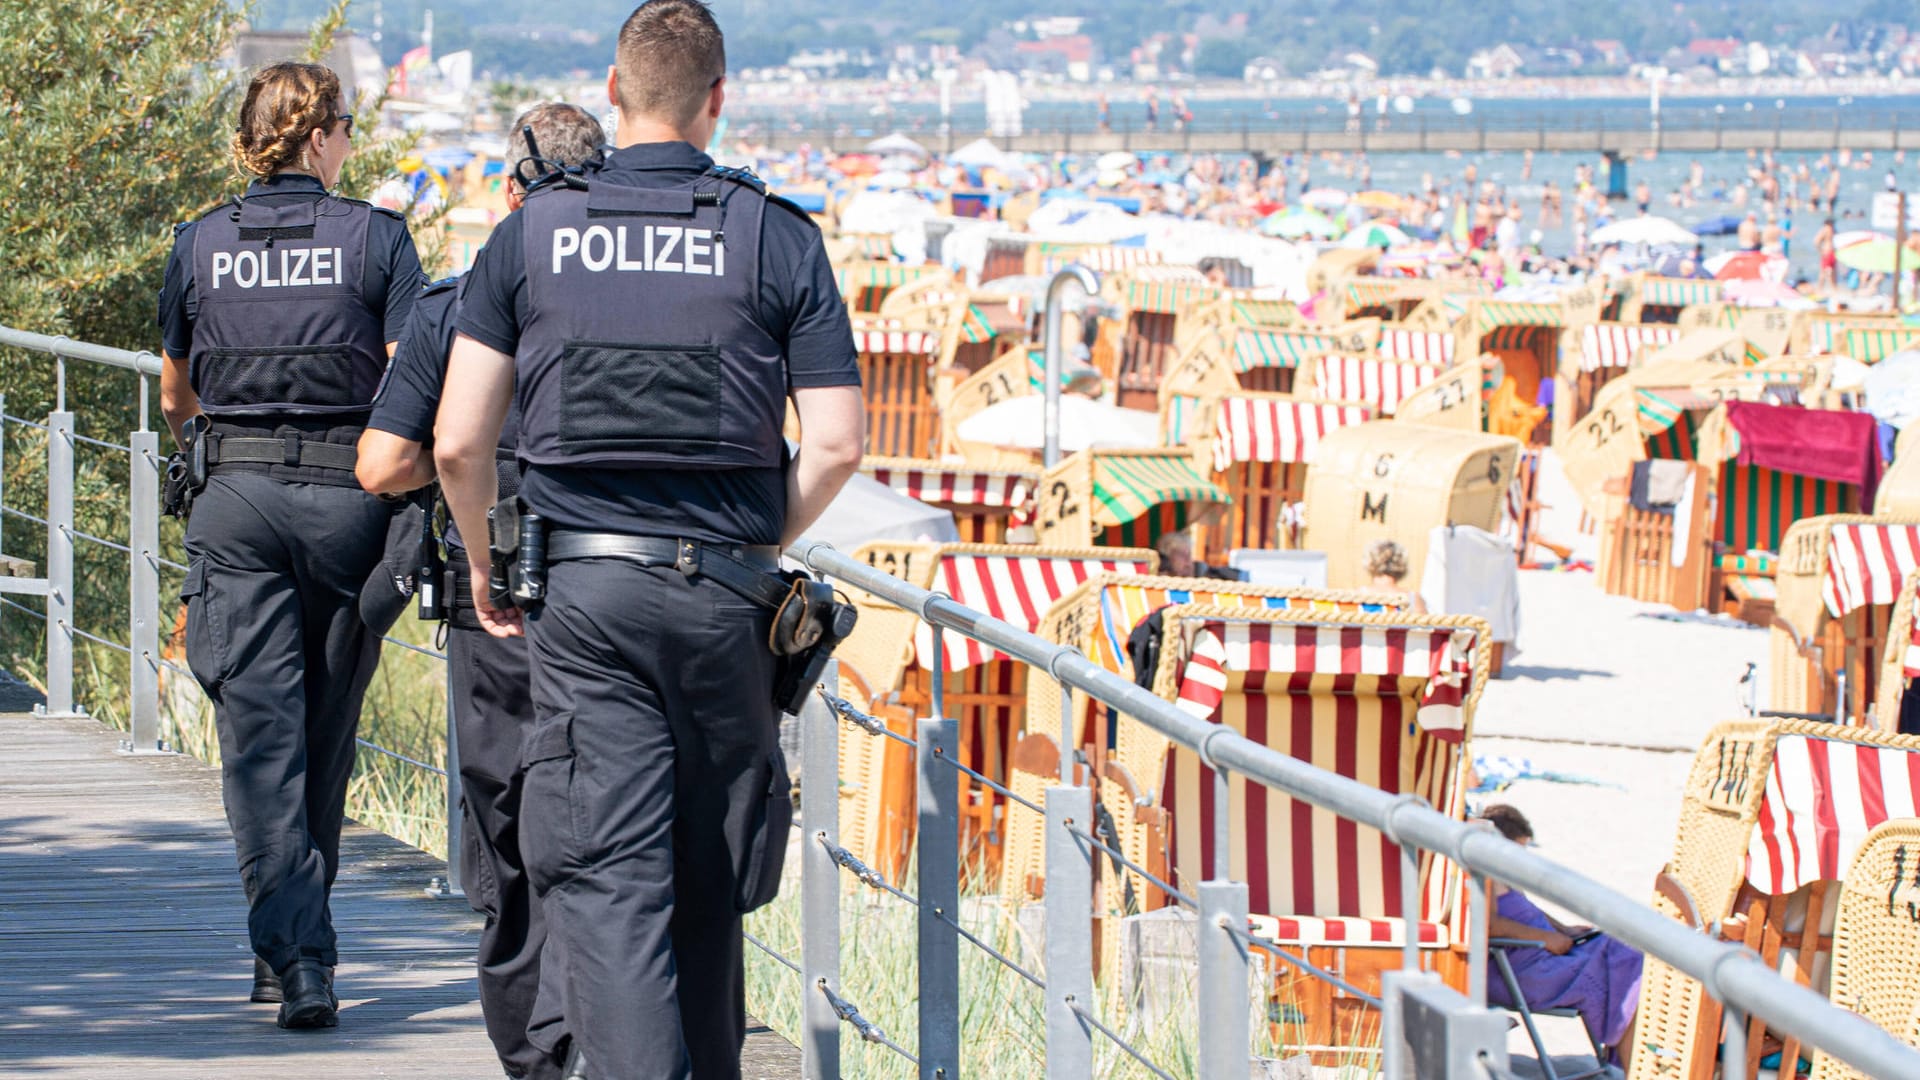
pixel 1072 837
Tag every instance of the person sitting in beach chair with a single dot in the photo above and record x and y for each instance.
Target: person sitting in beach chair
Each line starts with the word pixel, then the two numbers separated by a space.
pixel 1387 572
pixel 1573 967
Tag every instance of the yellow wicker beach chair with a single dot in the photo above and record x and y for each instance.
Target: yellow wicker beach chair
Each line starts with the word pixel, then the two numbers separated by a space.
pixel 1839 578
pixel 1876 941
pixel 1260 454
pixel 1772 815
pixel 1123 498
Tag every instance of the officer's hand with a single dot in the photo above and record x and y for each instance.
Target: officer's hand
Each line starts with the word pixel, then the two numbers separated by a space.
pixel 501 622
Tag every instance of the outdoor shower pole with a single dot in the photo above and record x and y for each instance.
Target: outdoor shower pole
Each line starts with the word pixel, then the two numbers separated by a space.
pixel 1055 294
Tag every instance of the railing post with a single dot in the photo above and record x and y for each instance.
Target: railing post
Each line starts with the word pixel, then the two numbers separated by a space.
pixel 1226 1027
pixel 1477 930
pixel 143 588
pixel 1069 910
pixel 937 843
pixel 1410 906
pixel 819 882
pixel 3 469
pixel 59 565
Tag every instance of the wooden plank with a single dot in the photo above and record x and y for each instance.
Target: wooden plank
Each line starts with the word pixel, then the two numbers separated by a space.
pixel 123 945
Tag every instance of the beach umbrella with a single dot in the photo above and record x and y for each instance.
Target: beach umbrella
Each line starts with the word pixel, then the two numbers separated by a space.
pixel 1020 423
pixel 1116 161
pixel 867 510
pixel 1375 235
pixel 1385 202
pixel 1648 230
pixel 1747 266
pixel 1756 292
pixel 897 143
pixel 1298 222
pixel 981 154
pixel 1877 257
pixel 1325 198
pixel 1851 237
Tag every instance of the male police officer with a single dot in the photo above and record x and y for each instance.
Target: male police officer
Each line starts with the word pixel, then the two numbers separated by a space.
pixel 488 678
pixel 656 322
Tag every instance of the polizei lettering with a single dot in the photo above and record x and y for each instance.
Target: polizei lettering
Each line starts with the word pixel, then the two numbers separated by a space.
pixel 277 267
pixel 652 249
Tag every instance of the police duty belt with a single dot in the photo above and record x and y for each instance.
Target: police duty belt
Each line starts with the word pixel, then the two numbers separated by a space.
pixel 291 451
pixel 748 570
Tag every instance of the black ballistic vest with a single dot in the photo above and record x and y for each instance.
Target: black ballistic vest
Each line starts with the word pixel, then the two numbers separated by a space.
pixel 643 346
pixel 284 327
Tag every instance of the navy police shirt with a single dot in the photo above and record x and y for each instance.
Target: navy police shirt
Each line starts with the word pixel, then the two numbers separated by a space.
pixel 800 307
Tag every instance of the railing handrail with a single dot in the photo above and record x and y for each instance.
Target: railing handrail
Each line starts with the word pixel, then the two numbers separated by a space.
pixel 144 362
pixel 1729 973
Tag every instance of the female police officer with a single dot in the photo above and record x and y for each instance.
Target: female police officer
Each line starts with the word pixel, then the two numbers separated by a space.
pixel 278 312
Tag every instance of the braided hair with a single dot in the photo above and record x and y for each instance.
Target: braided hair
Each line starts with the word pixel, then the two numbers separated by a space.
pixel 285 103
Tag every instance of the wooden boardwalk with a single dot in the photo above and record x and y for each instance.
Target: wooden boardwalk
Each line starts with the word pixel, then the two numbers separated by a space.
pixel 123 946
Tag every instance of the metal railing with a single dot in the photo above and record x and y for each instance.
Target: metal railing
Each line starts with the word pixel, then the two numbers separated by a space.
pixel 1073 844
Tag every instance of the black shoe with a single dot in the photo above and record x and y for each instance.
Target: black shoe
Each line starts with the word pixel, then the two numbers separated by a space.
pixel 309 1001
pixel 266 985
pixel 576 1066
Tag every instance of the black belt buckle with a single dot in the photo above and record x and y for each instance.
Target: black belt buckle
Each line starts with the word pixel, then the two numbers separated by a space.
pixel 687 558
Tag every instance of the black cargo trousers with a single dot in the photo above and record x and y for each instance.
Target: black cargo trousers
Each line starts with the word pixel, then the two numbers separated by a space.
pixel 656 810
pixel 492 701
pixel 274 637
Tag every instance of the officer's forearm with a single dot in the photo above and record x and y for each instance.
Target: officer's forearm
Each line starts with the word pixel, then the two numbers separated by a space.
pixel 178 402
pixel 832 436
pixel 479 387
pixel 391 465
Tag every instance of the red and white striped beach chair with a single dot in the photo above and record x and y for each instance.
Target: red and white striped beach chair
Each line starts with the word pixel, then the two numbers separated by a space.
pixel 1384 699
pixel 1421 346
pixel 1607 351
pixel 1153 298
pixel 1262 447
pixel 1372 381
pixel 1772 816
pixel 1839 579
pixel 985 503
pixel 984 690
pixel 897 367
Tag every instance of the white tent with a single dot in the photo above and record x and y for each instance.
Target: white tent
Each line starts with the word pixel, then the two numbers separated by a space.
pixel 897 143
pixel 1649 230
pixel 980 154
pixel 1020 423
pixel 867 510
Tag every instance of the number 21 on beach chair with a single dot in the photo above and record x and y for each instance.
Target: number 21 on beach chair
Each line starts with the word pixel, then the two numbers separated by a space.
pixel 1771 817
pixel 984 690
pixel 1383 699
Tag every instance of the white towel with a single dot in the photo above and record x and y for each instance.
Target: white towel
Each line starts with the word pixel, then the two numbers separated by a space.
pixel 1470 571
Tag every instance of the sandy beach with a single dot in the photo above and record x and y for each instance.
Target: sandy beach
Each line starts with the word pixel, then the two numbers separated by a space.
pixel 1622 693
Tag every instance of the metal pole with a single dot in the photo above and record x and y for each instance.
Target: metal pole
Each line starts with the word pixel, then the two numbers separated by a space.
pixel 1069 907
pixel 937 854
pixel 1067 738
pixel 1733 1052
pixel 1086 280
pixel 1477 923
pixel 1410 906
pixel 819 883
pixel 1226 1025
pixel 3 465
pixel 59 564
pixel 1899 245
pixel 143 589
pixel 1222 825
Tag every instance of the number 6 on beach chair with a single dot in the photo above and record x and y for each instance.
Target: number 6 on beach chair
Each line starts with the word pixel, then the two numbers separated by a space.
pixel 1383 699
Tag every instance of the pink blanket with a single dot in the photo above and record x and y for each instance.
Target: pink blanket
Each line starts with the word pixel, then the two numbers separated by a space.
pixel 1821 443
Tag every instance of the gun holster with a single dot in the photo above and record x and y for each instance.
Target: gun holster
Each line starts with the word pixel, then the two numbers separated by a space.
pixel 807 626
pixel 186 469
pixel 516 555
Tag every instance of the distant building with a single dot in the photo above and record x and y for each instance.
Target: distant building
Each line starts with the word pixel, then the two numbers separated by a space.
pixel 1721 54
pixel 353 57
pixel 1609 53
pixel 1070 56
pixel 1503 61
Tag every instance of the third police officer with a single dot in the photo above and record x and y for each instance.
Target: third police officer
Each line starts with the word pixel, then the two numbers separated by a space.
pixel 488 683
pixel 657 319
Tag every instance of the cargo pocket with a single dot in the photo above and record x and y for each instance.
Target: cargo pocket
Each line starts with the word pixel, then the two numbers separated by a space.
pixel 766 847
pixel 657 399
pixel 206 635
pixel 547 841
pixel 284 378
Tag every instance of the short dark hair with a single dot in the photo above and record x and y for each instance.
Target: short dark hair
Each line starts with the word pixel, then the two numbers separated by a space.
pixel 1512 823
pixel 670 54
pixel 566 135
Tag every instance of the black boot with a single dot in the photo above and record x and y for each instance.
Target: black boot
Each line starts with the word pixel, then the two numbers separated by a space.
pixel 266 985
pixel 308 1000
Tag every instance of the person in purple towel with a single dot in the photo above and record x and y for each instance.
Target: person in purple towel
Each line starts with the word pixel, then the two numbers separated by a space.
pixel 1575 967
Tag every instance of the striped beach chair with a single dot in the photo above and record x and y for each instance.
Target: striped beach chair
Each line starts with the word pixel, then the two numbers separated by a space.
pixel 1098 618
pixel 897 368
pixel 984 690
pixel 1772 816
pixel 1655 299
pixel 985 503
pixel 1422 346
pixel 1386 700
pixel 1226 360
pixel 1262 447
pixel 1515 345
pixel 865 282
pixel 1607 350
pixel 1821 333
pixel 1152 299
pixel 1876 940
pixel 1900 659
pixel 1378 383
pixel 1839 580
pixel 1122 498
